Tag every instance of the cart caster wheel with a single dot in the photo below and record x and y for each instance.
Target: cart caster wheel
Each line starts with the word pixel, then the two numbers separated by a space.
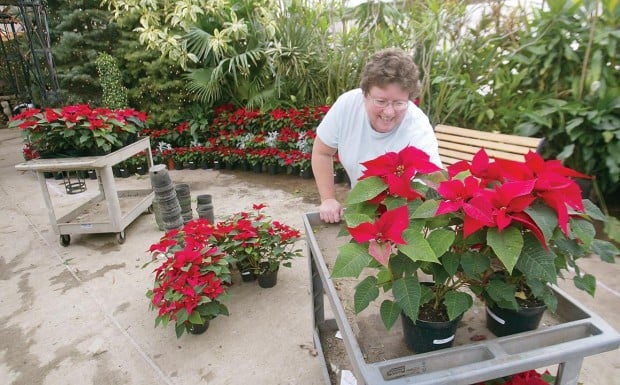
pixel 120 237
pixel 150 209
pixel 65 239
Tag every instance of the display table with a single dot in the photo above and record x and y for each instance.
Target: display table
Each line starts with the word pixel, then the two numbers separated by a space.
pixel 111 211
pixel 576 333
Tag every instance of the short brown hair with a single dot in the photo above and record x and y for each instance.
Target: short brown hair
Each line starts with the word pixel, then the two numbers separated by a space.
pixel 391 66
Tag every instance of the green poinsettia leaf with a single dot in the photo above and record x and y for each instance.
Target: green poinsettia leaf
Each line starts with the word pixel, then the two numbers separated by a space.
pixel 366 189
pixel 355 219
pixel 541 290
pixel 195 318
pixel 535 262
pixel 503 294
pixel 507 245
pixel 437 271
pixel 401 265
pixel 360 212
pixel 426 210
pixel 457 303
pixel 392 202
pixel 586 282
pixel 570 246
pixel 390 311
pixel 365 292
pixel 426 293
pixel 417 247
pixel 441 240
pixel 612 228
pixel 179 329
pixel 384 277
pixel 583 230
pixel 605 250
pixel 545 218
pixel 165 320
pixel 407 295
pixel 182 316
pixel 351 260
pixel 593 211
pixel 451 262
pixel 474 263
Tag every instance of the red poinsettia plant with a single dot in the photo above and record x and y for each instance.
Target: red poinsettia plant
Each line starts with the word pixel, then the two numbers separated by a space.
pixel 78 130
pixel 256 241
pixel 530 377
pixel 192 277
pixel 505 229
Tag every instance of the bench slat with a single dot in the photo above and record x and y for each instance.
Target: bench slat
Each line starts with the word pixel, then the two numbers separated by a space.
pixel 490 136
pixel 456 143
pixel 473 145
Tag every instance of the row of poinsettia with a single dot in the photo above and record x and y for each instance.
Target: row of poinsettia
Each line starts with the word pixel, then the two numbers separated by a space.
pixel 76 130
pixel 206 156
pixel 238 135
pixel 232 135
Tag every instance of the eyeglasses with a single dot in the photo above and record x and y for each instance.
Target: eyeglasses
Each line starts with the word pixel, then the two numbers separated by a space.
pixel 397 105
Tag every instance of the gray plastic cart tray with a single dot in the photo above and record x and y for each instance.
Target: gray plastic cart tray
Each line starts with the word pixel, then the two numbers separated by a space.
pixel 567 337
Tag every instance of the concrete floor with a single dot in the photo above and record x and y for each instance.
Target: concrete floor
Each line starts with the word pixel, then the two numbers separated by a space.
pixel 79 315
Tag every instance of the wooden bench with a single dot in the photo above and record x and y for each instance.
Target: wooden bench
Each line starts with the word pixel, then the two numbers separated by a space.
pixel 457 144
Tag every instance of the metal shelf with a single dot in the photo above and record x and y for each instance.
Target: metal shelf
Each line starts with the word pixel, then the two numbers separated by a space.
pixel 578 333
pixel 111 211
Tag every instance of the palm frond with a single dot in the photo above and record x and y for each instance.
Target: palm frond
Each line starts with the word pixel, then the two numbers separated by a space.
pixel 205 84
pixel 198 42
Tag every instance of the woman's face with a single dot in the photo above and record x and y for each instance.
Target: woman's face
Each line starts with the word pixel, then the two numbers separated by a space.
pixel 386 107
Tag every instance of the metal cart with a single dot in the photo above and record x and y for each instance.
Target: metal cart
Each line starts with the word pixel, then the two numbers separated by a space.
pixel 580 333
pixel 111 211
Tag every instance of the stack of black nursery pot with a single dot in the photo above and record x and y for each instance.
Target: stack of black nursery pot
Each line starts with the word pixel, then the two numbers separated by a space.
pixel 166 205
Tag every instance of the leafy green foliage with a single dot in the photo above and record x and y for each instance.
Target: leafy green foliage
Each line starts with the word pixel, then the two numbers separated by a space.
pixel 114 93
pixel 80 31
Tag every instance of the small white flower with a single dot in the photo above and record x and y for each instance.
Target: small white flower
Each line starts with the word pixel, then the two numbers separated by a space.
pixel 272 138
pixel 161 146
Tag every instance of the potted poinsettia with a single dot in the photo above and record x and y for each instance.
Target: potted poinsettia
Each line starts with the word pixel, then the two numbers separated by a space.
pixel 257 243
pixel 525 224
pixel 191 279
pixel 402 247
pixel 503 229
pixel 78 130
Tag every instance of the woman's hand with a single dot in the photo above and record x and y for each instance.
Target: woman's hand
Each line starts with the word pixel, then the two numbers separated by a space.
pixel 331 211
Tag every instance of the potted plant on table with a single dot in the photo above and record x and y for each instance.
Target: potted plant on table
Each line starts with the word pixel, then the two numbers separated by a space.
pixel 258 244
pixel 191 279
pixel 402 247
pixel 78 130
pixel 503 229
pixel 530 225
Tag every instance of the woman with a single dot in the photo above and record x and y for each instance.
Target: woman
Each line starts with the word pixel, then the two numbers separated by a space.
pixel 369 121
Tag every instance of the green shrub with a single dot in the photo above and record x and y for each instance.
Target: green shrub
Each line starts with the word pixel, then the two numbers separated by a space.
pixel 111 79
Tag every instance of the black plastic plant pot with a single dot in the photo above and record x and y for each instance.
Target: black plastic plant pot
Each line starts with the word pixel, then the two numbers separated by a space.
pixel 423 336
pixel 267 278
pixel 198 329
pixel 504 322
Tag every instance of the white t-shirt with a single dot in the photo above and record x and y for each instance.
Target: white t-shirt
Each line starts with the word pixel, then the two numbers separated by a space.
pixel 347 128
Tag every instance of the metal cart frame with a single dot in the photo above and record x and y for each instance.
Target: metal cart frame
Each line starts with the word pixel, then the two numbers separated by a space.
pixel 85 219
pixel 583 334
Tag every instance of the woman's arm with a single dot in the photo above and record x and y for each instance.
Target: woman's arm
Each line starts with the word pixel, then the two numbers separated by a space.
pixel 330 210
